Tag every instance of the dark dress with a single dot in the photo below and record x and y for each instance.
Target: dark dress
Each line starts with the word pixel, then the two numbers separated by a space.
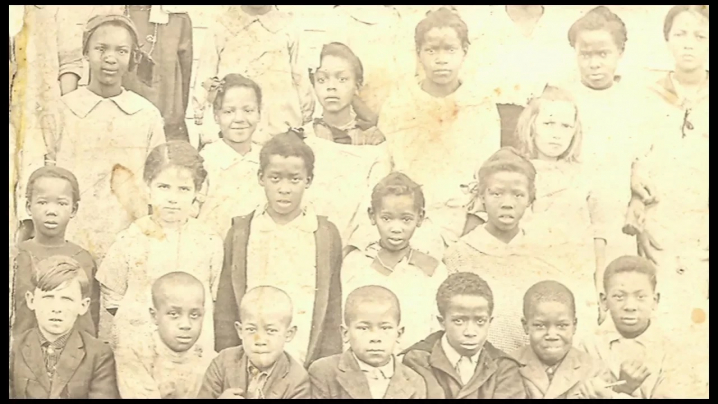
pixel 167 83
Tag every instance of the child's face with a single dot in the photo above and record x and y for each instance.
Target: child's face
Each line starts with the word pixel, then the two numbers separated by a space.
pixel 554 128
pixel 396 219
pixel 109 50
pixel 172 193
pixel 598 57
pixel 335 84
pixel 239 115
pixel 505 199
pixel 441 55
pixel 550 327
pixel 373 332
pixel 51 206
pixel 631 300
pixel 57 310
pixel 688 41
pixel 264 332
pixel 179 315
pixel 284 180
pixel 466 322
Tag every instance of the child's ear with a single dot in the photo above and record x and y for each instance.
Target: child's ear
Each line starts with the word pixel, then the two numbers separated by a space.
pixel 75 206
pixel 84 306
pixel 604 303
pixel 370 212
pixel 260 178
pixel 27 208
pixel 153 315
pixel 238 328
pixel 216 118
pixel 345 334
pixel 441 322
pixel 399 332
pixel 30 300
pixel 525 325
pixel 656 299
pixel 420 220
pixel 291 332
pixel 309 181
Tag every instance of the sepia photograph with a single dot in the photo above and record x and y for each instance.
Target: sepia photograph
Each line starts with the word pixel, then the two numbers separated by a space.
pixel 358 202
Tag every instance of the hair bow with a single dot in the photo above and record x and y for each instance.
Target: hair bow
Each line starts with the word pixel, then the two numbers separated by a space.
pixel 213 86
pixel 299 132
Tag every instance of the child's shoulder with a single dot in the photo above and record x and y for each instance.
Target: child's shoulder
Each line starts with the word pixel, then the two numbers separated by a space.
pixel 501 358
pixel 82 101
pixel 326 364
pixel 94 345
pixel 425 262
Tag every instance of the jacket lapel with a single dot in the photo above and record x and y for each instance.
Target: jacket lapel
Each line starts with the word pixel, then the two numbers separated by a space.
pixel 439 361
pixel 322 296
pixel 276 382
pixel 240 378
pixel 532 370
pixel 399 387
pixel 69 361
pixel 32 354
pixel 484 369
pixel 567 376
pixel 351 378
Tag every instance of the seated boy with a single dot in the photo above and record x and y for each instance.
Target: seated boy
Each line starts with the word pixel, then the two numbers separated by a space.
pixel 171 365
pixel 550 366
pixel 392 261
pixel 53 197
pixel 56 359
pixel 629 341
pixel 259 368
pixel 459 362
pixel 368 369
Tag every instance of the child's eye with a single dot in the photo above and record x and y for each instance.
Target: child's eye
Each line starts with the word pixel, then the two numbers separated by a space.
pixel 408 220
pixel 163 186
pixel 343 79
pixel 481 321
pixel 249 110
pixel 173 314
pixel 296 180
pixel 123 51
pixel 385 219
pixel 100 48
pixel 274 178
pixel 458 321
pixel 64 203
pixel 194 316
pixel 362 328
pixel 539 326
pixel 272 331
pixel 320 80
pixel 386 328
pixel 519 195
pixel 249 329
pixel 185 189
pixel 41 202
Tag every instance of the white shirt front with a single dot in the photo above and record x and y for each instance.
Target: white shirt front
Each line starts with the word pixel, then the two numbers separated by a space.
pixel 378 378
pixel 455 357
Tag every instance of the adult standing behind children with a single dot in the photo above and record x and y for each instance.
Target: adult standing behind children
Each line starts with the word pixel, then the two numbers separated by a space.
pixel 437 130
pixel 107 129
pixel 261 43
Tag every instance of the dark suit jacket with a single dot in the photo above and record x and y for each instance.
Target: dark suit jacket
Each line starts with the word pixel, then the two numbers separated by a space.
pixel 339 376
pixel 229 370
pixel 86 368
pixel 325 337
pixel 575 368
pixel 497 374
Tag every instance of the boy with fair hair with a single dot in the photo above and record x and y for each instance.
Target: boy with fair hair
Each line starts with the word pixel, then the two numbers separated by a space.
pixel 259 368
pixel 55 359
pixel 368 369
pixel 151 370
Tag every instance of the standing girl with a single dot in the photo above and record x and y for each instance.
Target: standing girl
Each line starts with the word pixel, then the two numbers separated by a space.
pixel 166 241
pixel 261 43
pixel 565 214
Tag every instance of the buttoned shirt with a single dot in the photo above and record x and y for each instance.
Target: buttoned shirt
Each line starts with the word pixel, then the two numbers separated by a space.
pixel 256 381
pixel 455 358
pixel 378 377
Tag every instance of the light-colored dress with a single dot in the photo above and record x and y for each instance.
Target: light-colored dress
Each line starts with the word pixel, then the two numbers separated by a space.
pixel 264 48
pixel 232 186
pixel 99 135
pixel 413 282
pixel 436 143
pixel 143 253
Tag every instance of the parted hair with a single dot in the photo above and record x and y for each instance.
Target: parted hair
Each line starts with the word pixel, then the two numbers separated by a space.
pixel 675 11
pixel 340 50
pixel 600 18
pixel 233 80
pixel 175 153
pixel 52 272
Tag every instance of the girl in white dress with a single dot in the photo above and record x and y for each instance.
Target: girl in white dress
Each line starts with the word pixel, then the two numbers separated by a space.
pixel 168 240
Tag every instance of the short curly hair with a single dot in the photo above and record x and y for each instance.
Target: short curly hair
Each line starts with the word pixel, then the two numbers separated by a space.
pixel 600 18
pixel 289 144
pixel 548 291
pixel 442 18
pixel 463 283
pixel 507 159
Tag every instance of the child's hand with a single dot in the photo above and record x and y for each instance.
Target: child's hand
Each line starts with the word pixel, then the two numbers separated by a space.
pixel 198 117
pixel 647 246
pixel 634 373
pixel 595 388
pixel 235 393
pixel 644 189
pixel 635 217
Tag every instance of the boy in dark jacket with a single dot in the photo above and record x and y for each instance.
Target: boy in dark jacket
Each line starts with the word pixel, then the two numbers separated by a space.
pixel 458 362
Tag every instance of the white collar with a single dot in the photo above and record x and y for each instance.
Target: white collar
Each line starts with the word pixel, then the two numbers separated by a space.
pixel 387 370
pixel 481 240
pixel 227 157
pixel 306 222
pixel 82 101
pixel 454 356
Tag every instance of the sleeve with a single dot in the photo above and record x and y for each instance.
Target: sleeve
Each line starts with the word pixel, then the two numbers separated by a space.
pixel 319 382
pixel 113 273
pixel 597 214
pixel 69 43
pixel 332 339
pixel 133 379
pixel 207 67
pixel 509 383
pixel 420 389
pixel 226 311
pixel 300 76
pixel 302 390
pixel 216 263
pixel 212 384
pixel 103 384
pixel 185 55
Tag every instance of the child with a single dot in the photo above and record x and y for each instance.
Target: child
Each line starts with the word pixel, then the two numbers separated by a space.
pixel 260 368
pixel 397 211
pixel 288 246
pixel 53 197
pixel 501 250
pixel 459 362
pixel 630 342
pixel 673 210
pixel 612 126
pixel 368 369
pixel 233 161
pixel 170 365
pixel 105 127
pixel 259 42
pixel 431 126
pixel 565 216
pixel 166 241
pixel 55 359
pixel 550 366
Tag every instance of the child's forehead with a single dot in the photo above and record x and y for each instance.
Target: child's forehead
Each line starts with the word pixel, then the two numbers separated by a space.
pixel 691 19
pixel 441 36
pixel 629 281
pixel 52 185
pixel 543 307
pixel 394 202
pixel 335 64
pixel 69 287
pixel 464 303
pixel 239 95
pixel 508 179
pixel 600 38
pixel 279 163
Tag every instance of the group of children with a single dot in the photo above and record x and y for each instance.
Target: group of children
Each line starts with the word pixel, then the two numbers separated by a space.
pixel 362 259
